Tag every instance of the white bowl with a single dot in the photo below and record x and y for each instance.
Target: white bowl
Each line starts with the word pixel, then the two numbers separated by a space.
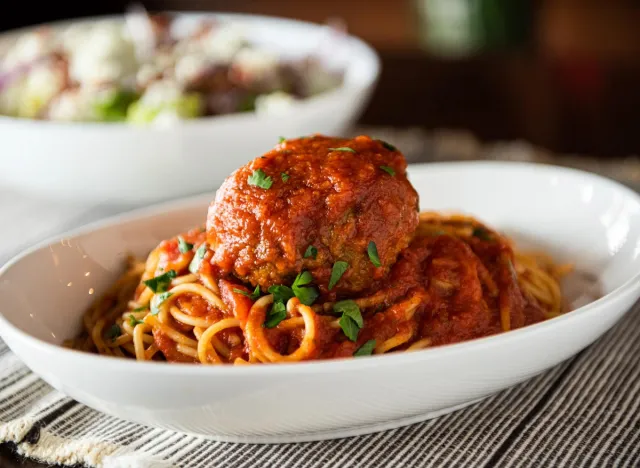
pixel 577 216
pixel 119 164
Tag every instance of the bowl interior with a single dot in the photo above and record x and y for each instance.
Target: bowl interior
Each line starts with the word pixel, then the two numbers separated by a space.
pixel 576 217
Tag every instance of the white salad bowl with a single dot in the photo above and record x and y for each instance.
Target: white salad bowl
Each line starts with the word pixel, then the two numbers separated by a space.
pixel 575 216
pixel 121 164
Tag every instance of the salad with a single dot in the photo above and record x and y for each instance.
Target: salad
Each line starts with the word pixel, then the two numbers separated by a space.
pixel 140 72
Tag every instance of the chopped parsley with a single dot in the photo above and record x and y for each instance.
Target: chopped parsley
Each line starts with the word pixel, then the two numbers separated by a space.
pixel 388 146
pixel 372 250
pixel 260 179
pixel 351 320
pixel 282 139
pixel 336 273
pixel 302 279
pixel 284 176
pixel 343 148
pixel 183 245
pixel 389 170
pixel 348 307
pixel 366 349
pixel 253 296
pixel 114 332
pixel 194 266
pixel 482 234
pixel 158 300
pixel 161 283
pixel 311 252
pixel 141 308
pixel 300 287
pixel 281 293
pixel 277 314
pixel 134 321
pixel 278 311
pixel 349 327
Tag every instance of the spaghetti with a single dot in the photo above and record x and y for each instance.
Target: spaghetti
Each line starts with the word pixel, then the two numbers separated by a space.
pixel 457 280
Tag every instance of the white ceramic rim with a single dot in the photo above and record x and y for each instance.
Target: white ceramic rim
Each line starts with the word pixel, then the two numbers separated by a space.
pixel 333 365
pixel 371 56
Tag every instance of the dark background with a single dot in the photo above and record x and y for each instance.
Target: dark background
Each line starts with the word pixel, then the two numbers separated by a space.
pixel 562 74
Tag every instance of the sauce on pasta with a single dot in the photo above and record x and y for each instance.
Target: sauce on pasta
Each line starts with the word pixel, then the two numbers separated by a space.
pixel 335 265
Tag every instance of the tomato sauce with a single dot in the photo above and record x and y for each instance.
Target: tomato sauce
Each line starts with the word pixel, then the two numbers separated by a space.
pixel 335 195
pixel 313 203
pixel 168 347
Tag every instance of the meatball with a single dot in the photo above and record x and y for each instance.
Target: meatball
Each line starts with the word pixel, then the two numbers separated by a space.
pixel 312 202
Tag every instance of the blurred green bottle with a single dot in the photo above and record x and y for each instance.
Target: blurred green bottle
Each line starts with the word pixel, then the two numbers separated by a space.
pixel 468 27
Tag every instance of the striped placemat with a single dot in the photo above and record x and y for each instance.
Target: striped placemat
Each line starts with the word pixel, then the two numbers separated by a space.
pixel 585 412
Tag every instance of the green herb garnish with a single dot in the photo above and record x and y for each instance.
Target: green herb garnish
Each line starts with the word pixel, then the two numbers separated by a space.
pixel 306 294
pixel 349 327
pixel 281 293
pixel 284 176
pixel 194 266
pixel 276 315
pixel 260 179
pixel 350 308
pixel 311 252
pixel 388 146
pixel 159 299
pixel 372 250
pixel 114 332
pixel 183 245
pixel 336 273
pixel 389 170
pixel 343 148
pixel 351 320
pixel 482 233
pixel 278 311
pixel 134 321
pixel 282 139
pixel 302 279
pixel 366 349
pixel 141 308
pixel 161 283
pixel 253 296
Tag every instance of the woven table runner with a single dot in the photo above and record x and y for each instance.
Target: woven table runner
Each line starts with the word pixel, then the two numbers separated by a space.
pixel 584 412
